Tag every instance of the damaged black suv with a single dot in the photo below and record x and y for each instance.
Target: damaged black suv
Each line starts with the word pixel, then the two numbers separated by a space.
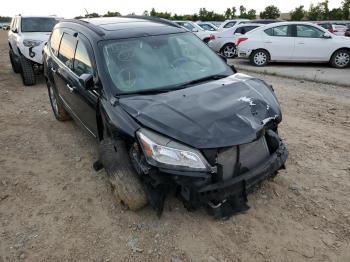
pixel 169 114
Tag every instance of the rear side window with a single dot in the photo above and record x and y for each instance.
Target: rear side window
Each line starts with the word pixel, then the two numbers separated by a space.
pixel 309 31
pixel 229 24
pixel 55 40
pixel 82 63
pixel 245 29
pixel 282 31
pixel 67 50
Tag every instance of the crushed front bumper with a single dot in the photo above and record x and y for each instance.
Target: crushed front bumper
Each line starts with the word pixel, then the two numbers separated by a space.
pixel 227 197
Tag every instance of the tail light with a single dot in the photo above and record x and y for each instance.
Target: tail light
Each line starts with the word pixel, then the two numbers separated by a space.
pixel 212 37
pixel 240 40
pixel 332 30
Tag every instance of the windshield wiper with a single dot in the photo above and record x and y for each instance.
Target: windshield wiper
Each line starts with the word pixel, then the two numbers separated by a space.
pixel 174 87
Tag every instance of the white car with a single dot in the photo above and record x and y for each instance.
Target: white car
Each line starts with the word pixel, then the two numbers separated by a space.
pixel 196 29
pixel 224 41
pixel 27 37
pixel 231 23
pixel 294 42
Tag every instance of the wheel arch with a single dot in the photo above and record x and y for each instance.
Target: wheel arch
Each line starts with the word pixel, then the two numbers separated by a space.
pixel 341 48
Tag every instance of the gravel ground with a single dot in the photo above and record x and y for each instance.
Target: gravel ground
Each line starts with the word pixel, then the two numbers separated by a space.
pixel 54 207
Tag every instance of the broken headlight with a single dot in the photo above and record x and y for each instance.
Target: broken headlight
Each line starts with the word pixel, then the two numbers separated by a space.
pixel 164 152
pixel 31 43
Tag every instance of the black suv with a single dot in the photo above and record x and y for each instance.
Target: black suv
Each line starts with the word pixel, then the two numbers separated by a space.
pixel 169 114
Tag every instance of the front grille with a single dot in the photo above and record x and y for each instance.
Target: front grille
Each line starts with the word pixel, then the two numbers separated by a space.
pixel 248 156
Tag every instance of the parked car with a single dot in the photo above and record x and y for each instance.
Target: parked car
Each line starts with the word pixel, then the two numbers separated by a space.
pixel 347 32
pixel 5 27
pixel 169 114
pixel 224 41
pixel 294 42
pixel 207 26
pixel 196 29
pixel 334 28
pixel 27 38
pixel 230 23
pixel 266 21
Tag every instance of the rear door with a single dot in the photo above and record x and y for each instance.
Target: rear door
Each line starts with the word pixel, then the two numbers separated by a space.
pixel 310 45
pixel 279 42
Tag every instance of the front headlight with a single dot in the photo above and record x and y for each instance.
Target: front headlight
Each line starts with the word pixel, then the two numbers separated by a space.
pixel 31 43
pixel 163 152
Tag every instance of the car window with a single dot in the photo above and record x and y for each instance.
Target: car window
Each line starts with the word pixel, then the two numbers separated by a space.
pixel 38 24
pixel 245 29
pixel 309 31
pixel 55 40
pixel 229 24
pixel 207 27
pixel 281 31
pixel 67 50
pixel 82 63
pixel 326 26
pixel 188 26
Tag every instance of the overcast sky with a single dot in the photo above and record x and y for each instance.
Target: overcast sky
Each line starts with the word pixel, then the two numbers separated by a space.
pixel 72 8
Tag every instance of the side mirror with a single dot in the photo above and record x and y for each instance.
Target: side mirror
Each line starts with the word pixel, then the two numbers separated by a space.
pixel 194 30
pixel 327 36
pixel 87 81
pixel 15 30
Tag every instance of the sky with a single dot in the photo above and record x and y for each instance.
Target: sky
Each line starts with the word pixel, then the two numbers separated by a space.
pixel 72 8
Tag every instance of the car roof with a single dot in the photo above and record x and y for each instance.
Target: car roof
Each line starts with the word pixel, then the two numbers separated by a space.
pixel 37 16
pixel 122 27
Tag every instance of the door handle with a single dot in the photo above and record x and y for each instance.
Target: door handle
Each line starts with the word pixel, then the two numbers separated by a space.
pixel 301 43
pixel 71 88
pixel 268 42
pixel 53 70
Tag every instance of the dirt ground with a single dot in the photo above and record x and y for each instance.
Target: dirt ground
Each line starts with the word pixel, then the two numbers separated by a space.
pixel 54 207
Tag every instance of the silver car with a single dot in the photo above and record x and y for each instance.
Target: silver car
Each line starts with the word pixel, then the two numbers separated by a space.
pixel 224 42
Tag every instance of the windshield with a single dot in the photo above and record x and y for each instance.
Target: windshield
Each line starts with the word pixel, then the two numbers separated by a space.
pixel 156 62
pixel 38 24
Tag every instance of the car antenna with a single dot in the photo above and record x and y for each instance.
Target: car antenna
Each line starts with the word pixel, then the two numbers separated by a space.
pixel 87 13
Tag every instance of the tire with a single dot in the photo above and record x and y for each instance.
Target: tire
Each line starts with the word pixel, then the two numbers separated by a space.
pixel 341 59
pixel 260 58
pixel 57 107
pixel 27 72
pixel 229 50
pixel 127 187
pixel 16 67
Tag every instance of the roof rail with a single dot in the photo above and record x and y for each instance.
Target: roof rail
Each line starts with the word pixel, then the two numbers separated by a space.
pixel 91 26
pixel 154 19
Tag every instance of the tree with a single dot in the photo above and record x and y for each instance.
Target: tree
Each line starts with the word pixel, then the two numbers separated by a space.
pixel 92 15
pixel 228 13
pixel 233 12
pixel 315 13
pixel 325 9
pixel 153 12
pixel 270 12
pixel 242 11
pixel 112 14
pixel 346 9
pixel 298 13
pixel 251 14
pixel 336 14
pixel 145 13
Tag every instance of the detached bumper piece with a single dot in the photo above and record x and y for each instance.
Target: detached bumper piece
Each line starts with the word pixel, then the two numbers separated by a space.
pixel 228 196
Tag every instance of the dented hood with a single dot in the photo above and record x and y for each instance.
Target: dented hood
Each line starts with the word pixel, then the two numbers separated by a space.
pixel 220 113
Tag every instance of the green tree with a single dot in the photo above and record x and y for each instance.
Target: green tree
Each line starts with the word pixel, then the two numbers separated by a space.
pixel 336 14
pixel 228 13
pixel 233 12
pixel 145 13
pixel 251 14
pixel 298 13
pixel 325 9
pixel 270 12
pixel 346 9
pixel 314 13
pixel 112 14
pixel 242 11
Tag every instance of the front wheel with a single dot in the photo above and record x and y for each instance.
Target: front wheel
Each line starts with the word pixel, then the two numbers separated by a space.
pixel 27 71
pixel 229 50
pixel 341 59
pixel 127 187
pixel 260 58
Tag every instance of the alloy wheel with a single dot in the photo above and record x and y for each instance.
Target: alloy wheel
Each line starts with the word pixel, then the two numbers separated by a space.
pixel 229 51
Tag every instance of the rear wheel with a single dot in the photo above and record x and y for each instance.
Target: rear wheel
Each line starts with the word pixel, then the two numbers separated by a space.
pixel 229 50
pixel 127 186
pixel 27 71
pixel 260 57
pixel 16 67
pixel 59 111
pixel 341 59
